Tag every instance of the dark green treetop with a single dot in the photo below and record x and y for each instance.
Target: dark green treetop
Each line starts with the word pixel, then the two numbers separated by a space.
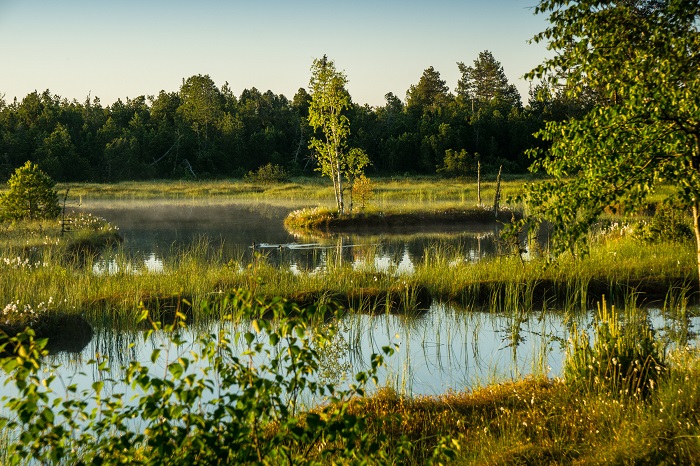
pixel 30 195
pixel 486 84
pixel 430 93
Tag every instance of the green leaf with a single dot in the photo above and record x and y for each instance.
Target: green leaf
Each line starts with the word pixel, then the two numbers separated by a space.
pixel 249 338
pixel 176 369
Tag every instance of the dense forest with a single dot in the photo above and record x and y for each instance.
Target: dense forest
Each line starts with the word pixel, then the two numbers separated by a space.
pixel 204 131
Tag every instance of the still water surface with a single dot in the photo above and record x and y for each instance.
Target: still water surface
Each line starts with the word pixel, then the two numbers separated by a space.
pixel 154 230
pixel 440 350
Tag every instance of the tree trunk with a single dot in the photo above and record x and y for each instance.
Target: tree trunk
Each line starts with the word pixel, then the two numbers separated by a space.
pixel 478 182
pixel 339 177
pixel 497 197
pixel 696 228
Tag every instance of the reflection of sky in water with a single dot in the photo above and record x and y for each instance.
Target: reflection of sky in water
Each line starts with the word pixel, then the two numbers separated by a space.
pixel 437 351
pixel 440 350
pixel 153 231
pixel 447 349
pixel 151 263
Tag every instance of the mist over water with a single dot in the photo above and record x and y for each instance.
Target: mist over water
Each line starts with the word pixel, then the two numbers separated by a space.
pixel 154 230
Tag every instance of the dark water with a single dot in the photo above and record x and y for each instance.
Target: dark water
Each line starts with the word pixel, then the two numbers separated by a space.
pixel 154 230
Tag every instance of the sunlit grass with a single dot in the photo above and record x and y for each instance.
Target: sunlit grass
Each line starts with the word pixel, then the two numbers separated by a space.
pixel 118 285
pixel 545 421
pixel 410 193
pixel 531 421
pixel 617 265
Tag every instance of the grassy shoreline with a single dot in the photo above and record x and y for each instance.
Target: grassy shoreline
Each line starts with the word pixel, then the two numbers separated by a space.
pixel 616 268
pixel 577 419
pixel 527 421
pixel 322 220
pixel 41 265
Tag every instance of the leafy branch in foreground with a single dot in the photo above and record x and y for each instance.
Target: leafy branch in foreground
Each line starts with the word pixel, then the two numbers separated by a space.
pixel 224 399
pixel 640 60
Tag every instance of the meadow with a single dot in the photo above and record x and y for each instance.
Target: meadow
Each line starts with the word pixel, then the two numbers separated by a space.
pixel 587 416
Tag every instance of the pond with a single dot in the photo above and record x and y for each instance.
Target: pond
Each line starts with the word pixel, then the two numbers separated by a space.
pixel 442 349
pixel 154 230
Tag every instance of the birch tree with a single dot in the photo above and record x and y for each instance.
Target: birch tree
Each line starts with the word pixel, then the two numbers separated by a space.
pixel 329 101
pixel 642 58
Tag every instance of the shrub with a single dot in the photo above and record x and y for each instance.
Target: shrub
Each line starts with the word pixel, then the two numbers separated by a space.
pixel 269 173
pixel 222 400
pixel 668 224
pixel 362 190
pixel 30 195
pixel 458 163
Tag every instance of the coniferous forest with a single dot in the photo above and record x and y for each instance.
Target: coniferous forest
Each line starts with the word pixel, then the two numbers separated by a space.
pixel 202 130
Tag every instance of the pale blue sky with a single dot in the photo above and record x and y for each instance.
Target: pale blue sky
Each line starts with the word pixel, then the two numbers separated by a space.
pixel 126 48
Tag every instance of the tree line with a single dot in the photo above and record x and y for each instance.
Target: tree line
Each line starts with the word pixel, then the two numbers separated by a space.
pixel 205 131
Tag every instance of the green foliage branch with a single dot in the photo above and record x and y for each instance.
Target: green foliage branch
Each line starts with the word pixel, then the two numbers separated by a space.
pixel 641 59
pixel 227 400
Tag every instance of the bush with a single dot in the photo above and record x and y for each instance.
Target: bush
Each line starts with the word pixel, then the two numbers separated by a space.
pixel 457 164
pixel 362 190
pixel 30 195
pixel 668 224
pixel 222 400
pixel 269 173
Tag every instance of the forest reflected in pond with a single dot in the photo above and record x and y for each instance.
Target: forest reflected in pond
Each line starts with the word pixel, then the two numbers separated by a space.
pixel 153 230
pixel 441 349
pixel 437 350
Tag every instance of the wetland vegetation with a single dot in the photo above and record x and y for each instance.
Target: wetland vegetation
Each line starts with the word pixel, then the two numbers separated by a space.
pixel 46 276
pixel 136 329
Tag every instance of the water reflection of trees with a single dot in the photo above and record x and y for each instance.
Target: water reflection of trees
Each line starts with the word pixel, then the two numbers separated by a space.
pixel 385 253
pixel 161 230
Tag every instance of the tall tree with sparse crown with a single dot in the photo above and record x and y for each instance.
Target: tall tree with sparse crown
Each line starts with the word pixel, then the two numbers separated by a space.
pixel 329 101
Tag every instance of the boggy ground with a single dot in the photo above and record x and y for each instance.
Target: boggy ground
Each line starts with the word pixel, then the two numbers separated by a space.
pixel 322 221
pixel 618 266
pixel 543 421
pixel 40 265
pixel 532 421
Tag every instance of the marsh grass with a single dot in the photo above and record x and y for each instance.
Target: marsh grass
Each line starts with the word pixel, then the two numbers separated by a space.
pixel 113 286
pixel 545 421
pixel 323 220
pixel 530 421
pixel 302 188
pixel 616 268
pixel 411 193
pixel 623 400
pixel 624 356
